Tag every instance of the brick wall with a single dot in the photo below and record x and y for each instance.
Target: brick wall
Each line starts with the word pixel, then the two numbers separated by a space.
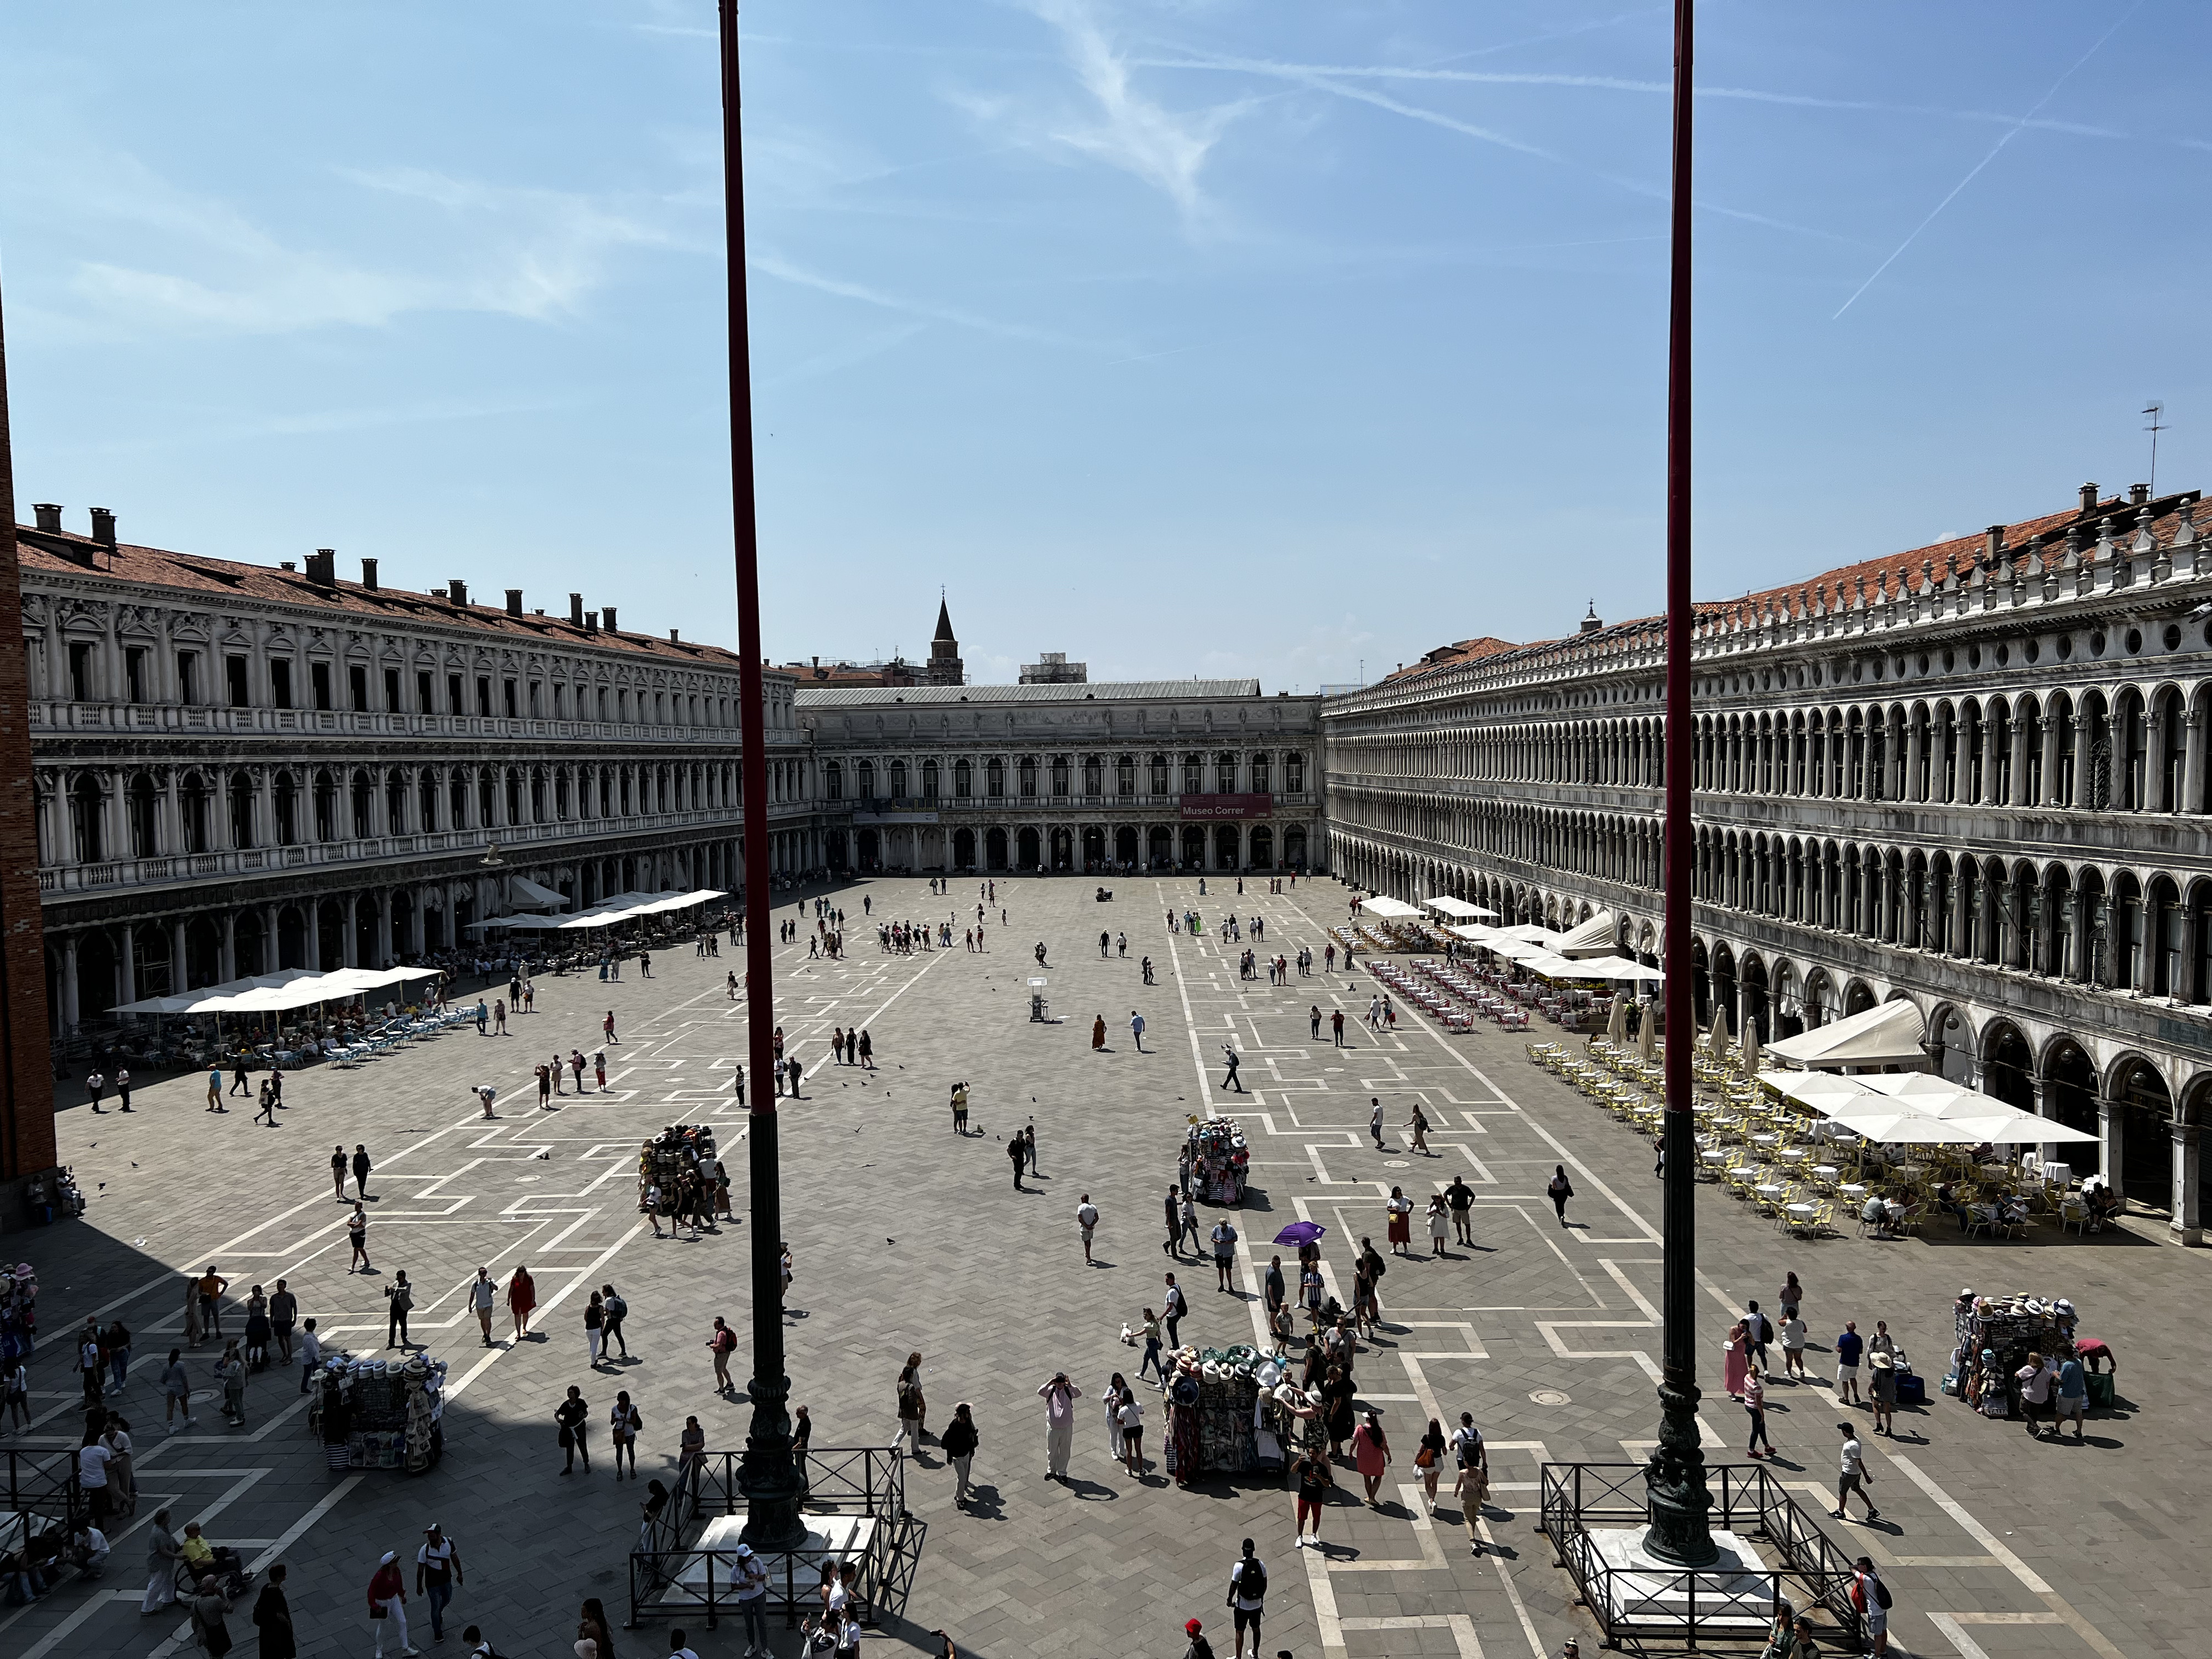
pixel 27 1073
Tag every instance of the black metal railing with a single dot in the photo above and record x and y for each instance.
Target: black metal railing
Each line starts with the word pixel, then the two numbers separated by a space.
pixel 670 1572
pixel 1749 1500
pixel 44 1483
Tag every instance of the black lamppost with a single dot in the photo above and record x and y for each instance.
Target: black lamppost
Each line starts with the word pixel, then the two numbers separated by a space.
pixel 767 1476
pixel 1680 1531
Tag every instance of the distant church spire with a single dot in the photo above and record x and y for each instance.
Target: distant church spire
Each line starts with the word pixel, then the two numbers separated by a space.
pixel 945 667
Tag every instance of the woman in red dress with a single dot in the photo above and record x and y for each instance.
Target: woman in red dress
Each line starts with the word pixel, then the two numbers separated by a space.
pixel 1402 1221
pixel 521 1298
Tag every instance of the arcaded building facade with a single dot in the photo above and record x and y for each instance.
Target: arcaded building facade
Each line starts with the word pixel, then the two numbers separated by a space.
pixel 1155 774
pixel 240 769
pixel 1973 776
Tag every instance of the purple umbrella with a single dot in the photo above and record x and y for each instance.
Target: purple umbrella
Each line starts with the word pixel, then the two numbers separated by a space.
pixel 1301 1232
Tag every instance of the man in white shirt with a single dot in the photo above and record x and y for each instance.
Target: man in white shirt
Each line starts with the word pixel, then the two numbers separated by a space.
pixel 677 1649
pixel 92 1476
pixel 1225 1253
pixel 1851 1477
pixel 311 1354
pixel 482 1296
pixel 89 1549
pixel 752 1601
pixel 1086 1218
pixel 1248 1597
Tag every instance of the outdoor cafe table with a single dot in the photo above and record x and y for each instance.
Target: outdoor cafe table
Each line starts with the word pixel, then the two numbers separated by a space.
pixel 1766 1140
pixel 1771 1188
pixel 1800 1211
pixel 1826 1171
pixel 1853 1190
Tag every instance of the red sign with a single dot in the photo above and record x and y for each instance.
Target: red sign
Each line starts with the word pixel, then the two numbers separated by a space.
pixel 1200 808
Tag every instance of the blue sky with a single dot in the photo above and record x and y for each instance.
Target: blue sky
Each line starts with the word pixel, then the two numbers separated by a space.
pixel 1187 337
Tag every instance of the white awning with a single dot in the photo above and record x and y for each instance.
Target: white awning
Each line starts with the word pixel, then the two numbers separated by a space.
pixel 1594 938
pixel 527 895
pixel 1390 909
pixel 624 906
pixel 1530 931
pixel 1474 933
pixel 1872 1105
pixel 1459 909
pixel 1616 968
pixel 295 987
pixel 1889 1035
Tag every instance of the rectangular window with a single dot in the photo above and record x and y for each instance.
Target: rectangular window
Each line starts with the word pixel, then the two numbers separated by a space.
pixel 235 670
pixel 357 685
pixel 280 683
pixel 534 690
pixel 603 702
pixel 456 704
pixel 134 674
pixel 391 690
pixel 318 675
pixel 507 686
pixel 80 671
pixel 1028 779
pixel 423 693
pixel 188 676
pixel 483 695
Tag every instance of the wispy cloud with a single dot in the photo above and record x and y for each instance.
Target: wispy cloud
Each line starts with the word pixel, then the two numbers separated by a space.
pixel 1296 71
pixel 202 265
pixel 1974 172
pixel 773 264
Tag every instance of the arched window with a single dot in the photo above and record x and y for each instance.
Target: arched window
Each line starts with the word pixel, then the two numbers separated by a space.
pixel 1193 775
pixel 1125 775
pixel 1028 777
pixel 1262 774
pixel 1159 769
pixel 898 779
pixel 994 779
pixel 1093 775
pixel 833 782
pixel 1060 774
pixel 964 780
pixel 1224 774
pixel 929 780
pixel 395 804
pixel 867 780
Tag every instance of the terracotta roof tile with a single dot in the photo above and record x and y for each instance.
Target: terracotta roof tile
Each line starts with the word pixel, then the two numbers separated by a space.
pixel 51 551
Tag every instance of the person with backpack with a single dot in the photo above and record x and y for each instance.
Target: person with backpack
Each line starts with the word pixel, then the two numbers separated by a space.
pixel 1472 1488
pixel 1872 1598
pixel 1757 1332
pixel 959 1441
pixel 1559 1190
pixel 1248 1597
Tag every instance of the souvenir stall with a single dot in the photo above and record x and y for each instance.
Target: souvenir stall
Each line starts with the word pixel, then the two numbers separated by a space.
pixel 1219 1161
pixel 680 1149
pixel 379 1414
pixel 1995 1334
pixel 1219 1413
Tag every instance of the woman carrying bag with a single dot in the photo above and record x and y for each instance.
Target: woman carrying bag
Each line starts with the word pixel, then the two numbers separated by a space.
pixel 1430 1460
pixel 1560 1191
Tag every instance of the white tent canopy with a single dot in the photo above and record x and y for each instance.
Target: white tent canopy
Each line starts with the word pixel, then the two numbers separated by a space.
pixel 1390 909
pixel 528 895
pixel 294 987
pixel 1971 1117
pixel 1615 968
pixel 1529 930
pixel 1459 909
pixel 624 906
pixel 1889 1035
pixel 1594 938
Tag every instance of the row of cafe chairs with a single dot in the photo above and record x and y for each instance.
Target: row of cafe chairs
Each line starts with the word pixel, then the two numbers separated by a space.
pixel 393 1033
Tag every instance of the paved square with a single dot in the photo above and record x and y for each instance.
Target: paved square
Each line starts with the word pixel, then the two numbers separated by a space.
pixel 908 1238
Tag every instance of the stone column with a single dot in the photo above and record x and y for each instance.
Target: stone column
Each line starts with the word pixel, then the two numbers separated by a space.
pixel 229 945
pixel 312 914
pixel 129 965
pixel 2050 732
pixel 2192 765
pixel 2184 1226
pixel 2153 747
pixel 350 932
pixel 2110 1135
pixel 69 984
pixel 179 973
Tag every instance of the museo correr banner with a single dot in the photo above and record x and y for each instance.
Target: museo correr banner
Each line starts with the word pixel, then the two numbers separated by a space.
pixel 1200 808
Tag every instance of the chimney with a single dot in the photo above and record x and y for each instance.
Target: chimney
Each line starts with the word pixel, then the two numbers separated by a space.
pixel 368 574
pixel 817 662
pixel 576 610
pixel 458 591
pixel 103 527
pixel 1994 543
pixel 287 564
pixel 2138 494
pixel 591 622
pixel 607 615
pixel 513 601
pixel 671 636
pixel 2088 499
pixel 322 567
pixel 49 515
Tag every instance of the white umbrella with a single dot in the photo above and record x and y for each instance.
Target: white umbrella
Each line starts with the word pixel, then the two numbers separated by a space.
pixel 1751 1050
pixel 1897 1126
pixel 1718 1044
pixel 1646 1032
pixel 1616 1027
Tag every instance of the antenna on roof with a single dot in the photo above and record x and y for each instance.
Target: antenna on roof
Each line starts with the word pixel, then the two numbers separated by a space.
pixel 2156 427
